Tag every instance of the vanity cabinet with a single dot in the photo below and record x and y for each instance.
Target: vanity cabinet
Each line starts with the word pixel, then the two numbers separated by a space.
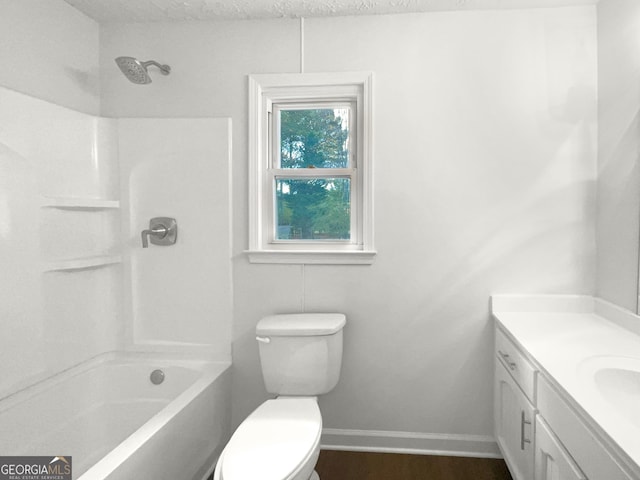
pixel 513 422
pixel 530 448
pixel 590 453
pixel 552 461
pixel 540 433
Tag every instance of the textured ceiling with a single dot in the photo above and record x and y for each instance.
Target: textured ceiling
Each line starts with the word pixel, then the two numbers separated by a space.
pixel 180 10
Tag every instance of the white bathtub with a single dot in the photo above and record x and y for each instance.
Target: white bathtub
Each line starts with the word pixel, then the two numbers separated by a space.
pixel 116 424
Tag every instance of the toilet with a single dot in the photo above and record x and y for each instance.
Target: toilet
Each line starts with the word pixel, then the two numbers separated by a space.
pixel 301 356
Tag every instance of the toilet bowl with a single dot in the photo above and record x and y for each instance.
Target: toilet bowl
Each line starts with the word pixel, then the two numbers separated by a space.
pixel 301 356
pixel 280 440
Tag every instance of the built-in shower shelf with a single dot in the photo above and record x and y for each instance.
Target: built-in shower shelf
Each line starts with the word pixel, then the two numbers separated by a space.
pixel 83 263
pixel 79 203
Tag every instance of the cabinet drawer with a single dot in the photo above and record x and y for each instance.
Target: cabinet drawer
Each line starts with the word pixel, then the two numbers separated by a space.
pixel 518 366
pixel 581 443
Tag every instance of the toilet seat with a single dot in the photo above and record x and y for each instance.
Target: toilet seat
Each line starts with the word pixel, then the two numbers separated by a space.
pixel 274 442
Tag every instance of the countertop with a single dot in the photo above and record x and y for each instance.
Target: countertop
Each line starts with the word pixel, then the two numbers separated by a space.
pixel 569 343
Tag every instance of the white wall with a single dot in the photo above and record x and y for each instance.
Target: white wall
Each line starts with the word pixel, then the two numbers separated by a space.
pixel 618 146
pixel 49 50
pixel 484 164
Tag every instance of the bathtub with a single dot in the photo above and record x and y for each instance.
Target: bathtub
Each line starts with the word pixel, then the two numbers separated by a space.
pixel 116 424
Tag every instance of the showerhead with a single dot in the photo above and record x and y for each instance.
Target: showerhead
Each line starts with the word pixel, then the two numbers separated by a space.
pixel 136 71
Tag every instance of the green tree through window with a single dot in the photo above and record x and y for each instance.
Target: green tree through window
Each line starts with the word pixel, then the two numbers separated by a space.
pixel 314 208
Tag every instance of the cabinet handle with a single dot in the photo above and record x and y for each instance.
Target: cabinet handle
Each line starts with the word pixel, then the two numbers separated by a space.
pixel 523 422
pixel 505 357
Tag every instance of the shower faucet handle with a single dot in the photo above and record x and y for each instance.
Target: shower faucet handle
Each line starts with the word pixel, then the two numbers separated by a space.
pixel 161 231
pixel 158 233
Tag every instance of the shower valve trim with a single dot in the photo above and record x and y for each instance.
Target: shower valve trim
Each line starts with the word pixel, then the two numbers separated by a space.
pixel 161 231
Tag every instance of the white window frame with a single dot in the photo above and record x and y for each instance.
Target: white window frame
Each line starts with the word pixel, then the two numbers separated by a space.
pixel 313 89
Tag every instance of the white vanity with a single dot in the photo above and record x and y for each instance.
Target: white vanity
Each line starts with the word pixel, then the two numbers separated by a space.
pixel 567 388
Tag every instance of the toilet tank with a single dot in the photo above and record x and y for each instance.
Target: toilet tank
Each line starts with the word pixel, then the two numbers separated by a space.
pixel 301 354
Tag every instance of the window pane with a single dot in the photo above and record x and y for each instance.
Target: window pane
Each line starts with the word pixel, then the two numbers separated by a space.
pixel 314 138
pixel 313 209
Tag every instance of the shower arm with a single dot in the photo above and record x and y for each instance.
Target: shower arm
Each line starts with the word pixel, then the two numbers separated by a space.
pixel 164 69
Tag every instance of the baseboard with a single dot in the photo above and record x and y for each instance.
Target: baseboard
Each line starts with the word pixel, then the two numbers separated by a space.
pixel 479 446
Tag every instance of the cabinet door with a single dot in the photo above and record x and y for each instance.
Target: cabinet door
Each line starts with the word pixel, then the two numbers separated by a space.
pixel 552 461
pixel 514 427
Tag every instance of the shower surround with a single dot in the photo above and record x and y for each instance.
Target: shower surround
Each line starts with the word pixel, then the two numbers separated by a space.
pixel 61 239
pixel 76 190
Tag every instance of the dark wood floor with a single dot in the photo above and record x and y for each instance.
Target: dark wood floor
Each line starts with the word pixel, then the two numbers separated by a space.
pixel 333 465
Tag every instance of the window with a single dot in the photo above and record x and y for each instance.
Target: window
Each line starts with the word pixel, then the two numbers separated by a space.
pixel 310 188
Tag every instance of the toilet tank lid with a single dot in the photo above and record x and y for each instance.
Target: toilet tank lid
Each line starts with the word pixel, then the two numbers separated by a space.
pixel 301 324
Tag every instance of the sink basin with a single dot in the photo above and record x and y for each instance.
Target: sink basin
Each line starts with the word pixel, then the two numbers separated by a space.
pixel 617 381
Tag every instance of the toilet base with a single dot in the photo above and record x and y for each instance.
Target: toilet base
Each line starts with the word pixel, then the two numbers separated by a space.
pixel 314 476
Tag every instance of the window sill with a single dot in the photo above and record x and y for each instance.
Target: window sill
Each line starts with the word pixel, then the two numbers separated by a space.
pixel 312 257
